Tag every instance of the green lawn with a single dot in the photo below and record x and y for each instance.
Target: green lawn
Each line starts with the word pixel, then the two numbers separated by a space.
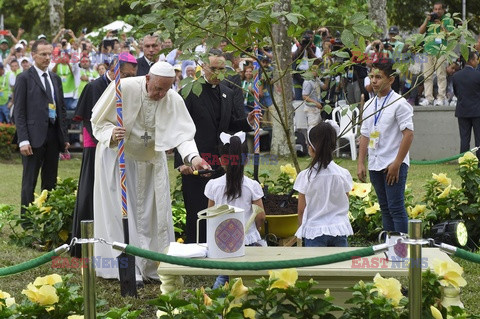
pixel 10 175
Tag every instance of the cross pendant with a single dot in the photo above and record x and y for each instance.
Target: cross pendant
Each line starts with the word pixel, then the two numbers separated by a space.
pixel 145 137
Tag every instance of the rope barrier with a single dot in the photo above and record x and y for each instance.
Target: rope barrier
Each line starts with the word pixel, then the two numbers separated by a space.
pixel 462 253
pixel 33 263
pixel 259 265
pixel 443 160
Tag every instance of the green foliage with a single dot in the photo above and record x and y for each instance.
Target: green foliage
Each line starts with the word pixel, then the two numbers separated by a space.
pixel 65 301
pixel 444 201
pixel 365 216
pixel 264 300
pixel 179 213
pixel 47 222
pixel 7 148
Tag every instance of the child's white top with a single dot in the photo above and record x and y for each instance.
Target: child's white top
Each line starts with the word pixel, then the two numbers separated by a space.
pixel 326 210
pixel 251 191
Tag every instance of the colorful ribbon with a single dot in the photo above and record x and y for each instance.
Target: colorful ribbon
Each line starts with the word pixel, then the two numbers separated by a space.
pixel 121 145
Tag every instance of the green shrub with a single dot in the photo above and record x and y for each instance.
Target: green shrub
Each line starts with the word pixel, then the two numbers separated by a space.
pixel 7 148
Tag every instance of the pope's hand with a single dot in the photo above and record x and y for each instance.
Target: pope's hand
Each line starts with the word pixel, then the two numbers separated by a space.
pixel 199 163
pixel 118 133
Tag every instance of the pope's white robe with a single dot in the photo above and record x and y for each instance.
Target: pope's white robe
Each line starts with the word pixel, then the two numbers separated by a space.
pixel 169 124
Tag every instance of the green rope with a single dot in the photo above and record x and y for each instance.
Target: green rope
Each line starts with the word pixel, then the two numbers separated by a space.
pixel 462 253
pixel 27 265
pixel 259 265
pixel 442 160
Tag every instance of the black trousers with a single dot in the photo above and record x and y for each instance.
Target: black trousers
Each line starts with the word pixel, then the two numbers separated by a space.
pixel 193 188
pixel 44 158
pixel 465 125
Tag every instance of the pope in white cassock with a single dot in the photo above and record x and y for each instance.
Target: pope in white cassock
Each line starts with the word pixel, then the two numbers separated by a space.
pixel 155 120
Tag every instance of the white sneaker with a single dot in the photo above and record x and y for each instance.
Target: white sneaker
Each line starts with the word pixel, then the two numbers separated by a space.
pixel 438 102
pixel 425 102
pixel 453 102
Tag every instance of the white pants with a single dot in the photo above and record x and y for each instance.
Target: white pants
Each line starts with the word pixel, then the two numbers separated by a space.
pixel 313 116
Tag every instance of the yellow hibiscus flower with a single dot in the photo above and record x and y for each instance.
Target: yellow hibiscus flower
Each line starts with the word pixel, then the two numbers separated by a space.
pixel 445 192
pixel 46 210
pixel 47 280
pixel 9 301
pixel 289 170
pixel 361 189
pixel 442 179
pixel 45 296
pixel 238 289
pixel 39 200
pixel 450 273
pixel 468 159
pixel 417 210
pixel 436 313
pixel 372 209
pixel 249 313
pixel 390 288
pixel 284 278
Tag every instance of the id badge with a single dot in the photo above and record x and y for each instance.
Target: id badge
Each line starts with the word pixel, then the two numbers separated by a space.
pixel 1 94
pixel 374 138
pixel 350 74
pixel 64 79
pixel 438 40
pixel 52 110
pixel 408 83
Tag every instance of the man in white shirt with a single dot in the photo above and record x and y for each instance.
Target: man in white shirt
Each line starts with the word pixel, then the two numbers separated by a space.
pixel 387 133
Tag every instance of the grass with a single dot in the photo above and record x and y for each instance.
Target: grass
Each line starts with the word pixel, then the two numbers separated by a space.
pixel 10 177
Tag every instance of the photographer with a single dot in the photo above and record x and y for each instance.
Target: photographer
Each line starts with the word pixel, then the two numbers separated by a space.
pixel 392 45
pixel 435 63
pixel 302 52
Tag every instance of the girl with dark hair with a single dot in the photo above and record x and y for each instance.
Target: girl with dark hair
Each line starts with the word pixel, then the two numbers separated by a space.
pixel 236 189
pixel 323 192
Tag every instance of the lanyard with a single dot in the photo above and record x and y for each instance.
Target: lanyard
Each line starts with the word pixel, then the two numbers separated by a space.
pixel 4 80
pixel 377 114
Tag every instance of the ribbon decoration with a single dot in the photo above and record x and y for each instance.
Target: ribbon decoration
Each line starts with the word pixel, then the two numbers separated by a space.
pixel 121 145
pixel 225 137
pixel 257 109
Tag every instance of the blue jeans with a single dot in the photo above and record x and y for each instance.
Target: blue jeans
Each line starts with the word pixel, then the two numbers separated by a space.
pixel 326 241
pixel 4 114
pixel 392 199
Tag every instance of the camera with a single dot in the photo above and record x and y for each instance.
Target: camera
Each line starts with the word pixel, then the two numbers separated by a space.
pixel 84 30
pixel 64 43
pixel 324 34
pixel 84 46
pixel 387 45
pixel 305 41
pixel 434 16
pixel 114 32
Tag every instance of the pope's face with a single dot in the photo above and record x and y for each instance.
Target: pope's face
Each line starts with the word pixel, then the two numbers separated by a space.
pixel 158 86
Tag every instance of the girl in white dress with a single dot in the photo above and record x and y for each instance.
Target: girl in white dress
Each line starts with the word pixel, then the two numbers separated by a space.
pixel 236 189
pixel 323 192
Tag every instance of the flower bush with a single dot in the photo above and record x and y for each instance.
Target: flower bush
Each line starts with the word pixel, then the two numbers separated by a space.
pixel 7 148
pixel 47 221
pixel 283 295
pixel 364 213
pixel 444 201
pixel 54 297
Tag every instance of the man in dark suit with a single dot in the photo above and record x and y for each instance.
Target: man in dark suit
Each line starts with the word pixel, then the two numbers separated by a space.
pixel 212 112
pixel 466 86
pixel 40 119
pixel 151 48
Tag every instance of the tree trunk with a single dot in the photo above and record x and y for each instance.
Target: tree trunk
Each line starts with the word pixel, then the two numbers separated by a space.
pixel 57 15
pixel 283 137
pixel 377 11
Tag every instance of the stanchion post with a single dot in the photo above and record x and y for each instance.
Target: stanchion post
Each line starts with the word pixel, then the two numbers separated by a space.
pixel 86 228
pixel 415 270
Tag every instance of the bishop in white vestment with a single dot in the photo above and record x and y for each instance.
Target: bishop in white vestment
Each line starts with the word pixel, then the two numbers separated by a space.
pixel 155 120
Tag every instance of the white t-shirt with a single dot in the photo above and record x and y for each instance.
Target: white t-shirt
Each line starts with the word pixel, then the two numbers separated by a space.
pixel 326 210
pixel 251 191
pixel 396 116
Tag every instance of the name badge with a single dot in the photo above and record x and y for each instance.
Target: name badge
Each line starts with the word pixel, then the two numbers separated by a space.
pixel 374 138
pixel 438 40
pixel 64 79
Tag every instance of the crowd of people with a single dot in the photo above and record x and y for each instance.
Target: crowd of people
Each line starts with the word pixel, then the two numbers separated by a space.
pixel 43 82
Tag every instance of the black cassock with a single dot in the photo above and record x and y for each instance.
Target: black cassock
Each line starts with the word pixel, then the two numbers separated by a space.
pixel 84 205
pixel 213 113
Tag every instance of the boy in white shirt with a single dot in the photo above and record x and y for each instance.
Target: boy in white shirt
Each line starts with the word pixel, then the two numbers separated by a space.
pixel 387 133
